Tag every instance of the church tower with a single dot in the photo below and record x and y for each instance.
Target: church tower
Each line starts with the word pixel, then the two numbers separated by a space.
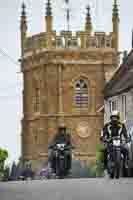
pixel 64 76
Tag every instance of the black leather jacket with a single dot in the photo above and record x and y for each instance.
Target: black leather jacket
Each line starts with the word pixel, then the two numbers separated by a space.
pixel 61 138
pixel 114 129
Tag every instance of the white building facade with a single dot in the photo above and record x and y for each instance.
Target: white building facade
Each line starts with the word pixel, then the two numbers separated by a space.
pixel 124 104
pixel 119 92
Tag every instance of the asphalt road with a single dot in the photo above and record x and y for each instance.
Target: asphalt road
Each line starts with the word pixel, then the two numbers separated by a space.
pixel 69 189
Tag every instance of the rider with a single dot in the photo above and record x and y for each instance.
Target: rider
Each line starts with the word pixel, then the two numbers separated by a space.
pixel 61 137
pixel 114 128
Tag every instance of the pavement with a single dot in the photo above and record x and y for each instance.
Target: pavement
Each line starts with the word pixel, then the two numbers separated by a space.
pixel 68 189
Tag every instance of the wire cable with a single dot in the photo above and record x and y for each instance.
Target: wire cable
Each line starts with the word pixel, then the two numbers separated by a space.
pixel 2 52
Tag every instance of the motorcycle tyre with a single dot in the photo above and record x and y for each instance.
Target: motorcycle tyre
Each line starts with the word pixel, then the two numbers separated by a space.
pixel 118 165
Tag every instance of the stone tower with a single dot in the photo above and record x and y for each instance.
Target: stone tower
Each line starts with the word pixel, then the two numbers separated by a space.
pixel 64 76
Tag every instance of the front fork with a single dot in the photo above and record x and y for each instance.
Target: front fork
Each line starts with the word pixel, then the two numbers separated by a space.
pixel 114 159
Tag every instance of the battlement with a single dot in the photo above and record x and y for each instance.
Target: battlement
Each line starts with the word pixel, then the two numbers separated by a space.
pixel 68 39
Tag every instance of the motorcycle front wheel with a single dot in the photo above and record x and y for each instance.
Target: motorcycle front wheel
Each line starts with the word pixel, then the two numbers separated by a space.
pixel 117 164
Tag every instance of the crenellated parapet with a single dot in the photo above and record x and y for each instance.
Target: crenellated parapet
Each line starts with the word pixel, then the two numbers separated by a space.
pixel 38 41
pixel 84 39
pixel 68 39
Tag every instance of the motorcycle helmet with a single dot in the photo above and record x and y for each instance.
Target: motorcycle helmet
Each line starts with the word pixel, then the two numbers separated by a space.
pixel 62 127
pixel 115 115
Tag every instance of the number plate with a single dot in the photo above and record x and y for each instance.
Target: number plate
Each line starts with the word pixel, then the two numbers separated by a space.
pixel 116 143
pixel 61 157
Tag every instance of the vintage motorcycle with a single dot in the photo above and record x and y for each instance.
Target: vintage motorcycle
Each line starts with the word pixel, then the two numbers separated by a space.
pixel 27 174
pixel 62 154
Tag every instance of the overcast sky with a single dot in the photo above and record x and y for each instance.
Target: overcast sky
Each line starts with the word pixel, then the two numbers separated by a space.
pixel 11 81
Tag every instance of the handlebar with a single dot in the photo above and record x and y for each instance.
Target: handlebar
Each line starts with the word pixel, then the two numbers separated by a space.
pixel 66 147
pixel 122 140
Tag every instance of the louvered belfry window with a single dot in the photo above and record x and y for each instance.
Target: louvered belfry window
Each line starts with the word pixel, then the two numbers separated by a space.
pixel 81 94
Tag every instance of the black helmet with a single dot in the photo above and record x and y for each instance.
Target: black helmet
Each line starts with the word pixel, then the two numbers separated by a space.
pixel 62 126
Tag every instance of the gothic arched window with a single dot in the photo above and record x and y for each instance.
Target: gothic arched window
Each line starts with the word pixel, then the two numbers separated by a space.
pixel 81 94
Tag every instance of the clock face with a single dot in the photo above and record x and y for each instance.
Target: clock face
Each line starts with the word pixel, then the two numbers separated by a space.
pixel 83 130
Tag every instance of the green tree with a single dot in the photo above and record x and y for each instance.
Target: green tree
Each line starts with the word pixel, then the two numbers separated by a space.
pixel 13 172
pixel 3 157
pixel 100 160
pixel 6 173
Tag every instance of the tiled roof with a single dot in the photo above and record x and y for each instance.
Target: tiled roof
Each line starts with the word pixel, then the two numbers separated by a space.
pixel 122 80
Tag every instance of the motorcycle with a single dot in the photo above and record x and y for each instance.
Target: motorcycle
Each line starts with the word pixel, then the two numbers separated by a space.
pixel 61 162
pixel 45 173
pixel 115 158
pixel 22 178
pixel 27 174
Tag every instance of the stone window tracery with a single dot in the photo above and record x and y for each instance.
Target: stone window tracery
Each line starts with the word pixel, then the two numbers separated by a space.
pixel 81 94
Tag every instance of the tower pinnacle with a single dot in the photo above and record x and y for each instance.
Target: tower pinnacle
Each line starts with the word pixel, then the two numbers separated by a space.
pixel 115 9
pixel 115 21
pixel 23 27
pixel 88 24
pixel 23 9
pixel 49 17
pixel 48 8
pixel 23 18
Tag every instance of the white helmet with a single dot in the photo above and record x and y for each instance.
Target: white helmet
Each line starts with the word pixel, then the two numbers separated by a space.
pixel 115 113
